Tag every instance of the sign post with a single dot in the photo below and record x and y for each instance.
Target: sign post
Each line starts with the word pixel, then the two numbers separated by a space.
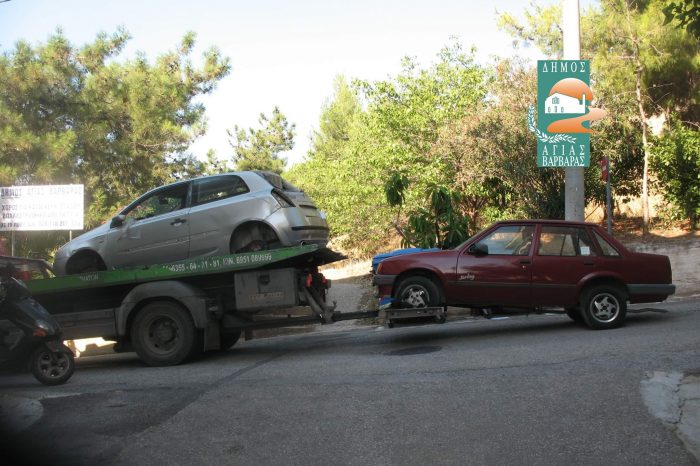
pixel 605 176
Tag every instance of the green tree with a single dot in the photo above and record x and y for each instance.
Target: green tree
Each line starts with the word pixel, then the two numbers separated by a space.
pixel 336 172
pixel 260 149
pixel 640 68
pixel 686 13
pixel 440 224
pixel 493 154
pixel 676 161
pixel 80 115
pixel 357 149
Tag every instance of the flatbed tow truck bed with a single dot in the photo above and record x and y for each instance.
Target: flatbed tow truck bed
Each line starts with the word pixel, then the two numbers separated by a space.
pixel 170 313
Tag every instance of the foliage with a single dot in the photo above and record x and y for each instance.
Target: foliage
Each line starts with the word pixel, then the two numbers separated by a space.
pixel 493 154
pixel 260 149
pixel 78 115
pixel 687 13
pixel 339 175
pixel 213 165
pixel 541 27
pixel 676 161
pixel 622 38
pixel 356 150
pixel 438 225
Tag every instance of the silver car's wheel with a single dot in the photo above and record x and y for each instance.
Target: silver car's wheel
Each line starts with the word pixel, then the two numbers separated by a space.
pixel 85 262
pixel 604 307
pixel 253 237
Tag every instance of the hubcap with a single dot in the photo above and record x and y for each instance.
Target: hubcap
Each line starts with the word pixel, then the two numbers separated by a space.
pixel 604 307
pixel 415 296
pixel 163 334
pixel 53 365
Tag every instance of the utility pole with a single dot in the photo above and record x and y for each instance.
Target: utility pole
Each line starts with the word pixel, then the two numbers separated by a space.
pixel 574 189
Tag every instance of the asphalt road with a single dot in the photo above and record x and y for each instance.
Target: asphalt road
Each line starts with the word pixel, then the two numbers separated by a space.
pixel 524 390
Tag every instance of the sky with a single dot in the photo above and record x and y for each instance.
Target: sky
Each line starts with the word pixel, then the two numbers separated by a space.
pixel 283 53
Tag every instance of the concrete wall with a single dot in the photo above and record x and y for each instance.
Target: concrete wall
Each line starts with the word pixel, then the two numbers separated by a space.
pixel 685 262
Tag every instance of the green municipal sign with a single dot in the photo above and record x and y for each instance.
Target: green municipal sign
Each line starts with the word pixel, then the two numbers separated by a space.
pixel 563 113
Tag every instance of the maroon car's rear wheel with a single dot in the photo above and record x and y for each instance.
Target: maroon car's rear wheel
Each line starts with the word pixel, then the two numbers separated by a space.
pixel 603 307
pixel 418 291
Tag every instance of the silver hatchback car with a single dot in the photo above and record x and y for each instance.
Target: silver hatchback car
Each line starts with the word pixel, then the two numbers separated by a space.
pixel 211 215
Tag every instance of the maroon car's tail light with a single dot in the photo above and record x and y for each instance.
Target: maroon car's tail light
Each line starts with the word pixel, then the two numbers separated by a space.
pixel 282 199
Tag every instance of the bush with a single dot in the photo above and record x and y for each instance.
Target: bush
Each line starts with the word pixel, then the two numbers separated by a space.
pixel 676 161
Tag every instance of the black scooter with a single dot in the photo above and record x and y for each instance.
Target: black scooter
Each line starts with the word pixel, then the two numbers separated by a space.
pixel 38 346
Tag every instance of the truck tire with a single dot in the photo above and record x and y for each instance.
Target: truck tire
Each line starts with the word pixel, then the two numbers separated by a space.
pixel 163 334
pixel 603 307
pixel 418 291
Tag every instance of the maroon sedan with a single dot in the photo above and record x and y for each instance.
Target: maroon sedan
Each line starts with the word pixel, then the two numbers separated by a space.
pixel 531 264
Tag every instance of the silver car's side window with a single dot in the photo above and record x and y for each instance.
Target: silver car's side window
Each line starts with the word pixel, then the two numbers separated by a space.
pixel 218 187
pixel 160 202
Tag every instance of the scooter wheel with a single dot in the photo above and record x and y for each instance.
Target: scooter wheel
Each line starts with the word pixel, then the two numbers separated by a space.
pixel 52 368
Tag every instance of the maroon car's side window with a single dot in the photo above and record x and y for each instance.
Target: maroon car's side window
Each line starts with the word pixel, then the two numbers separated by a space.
pixel 510 240
pixel 564 241
pixel 607 248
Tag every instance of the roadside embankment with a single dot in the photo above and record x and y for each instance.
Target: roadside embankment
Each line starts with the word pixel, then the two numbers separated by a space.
pixel 684 255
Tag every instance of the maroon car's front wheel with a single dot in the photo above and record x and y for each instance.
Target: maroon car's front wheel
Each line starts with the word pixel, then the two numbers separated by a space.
pixel 418 291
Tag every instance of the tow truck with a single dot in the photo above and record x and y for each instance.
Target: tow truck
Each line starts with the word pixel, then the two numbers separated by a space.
pixel 171 313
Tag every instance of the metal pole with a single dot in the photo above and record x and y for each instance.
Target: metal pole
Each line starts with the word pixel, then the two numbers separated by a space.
pixel 12 242
pixel 574 189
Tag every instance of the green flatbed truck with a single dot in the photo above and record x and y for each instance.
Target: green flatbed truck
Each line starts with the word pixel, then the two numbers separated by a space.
pixel 171 313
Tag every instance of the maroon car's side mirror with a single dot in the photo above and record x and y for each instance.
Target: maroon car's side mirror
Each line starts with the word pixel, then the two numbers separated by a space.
pixel 478 249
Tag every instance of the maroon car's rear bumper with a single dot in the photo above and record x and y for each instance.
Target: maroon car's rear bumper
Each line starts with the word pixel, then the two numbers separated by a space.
pixel 650 292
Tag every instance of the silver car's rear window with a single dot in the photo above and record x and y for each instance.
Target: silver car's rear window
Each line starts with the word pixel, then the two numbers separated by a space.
pixel 217 187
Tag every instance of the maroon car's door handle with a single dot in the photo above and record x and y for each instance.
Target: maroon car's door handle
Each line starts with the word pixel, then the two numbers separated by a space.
pixel 524 261
pixel 178 221
pixel 589 263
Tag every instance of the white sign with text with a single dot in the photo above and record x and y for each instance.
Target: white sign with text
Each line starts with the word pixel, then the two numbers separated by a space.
pixel 35 208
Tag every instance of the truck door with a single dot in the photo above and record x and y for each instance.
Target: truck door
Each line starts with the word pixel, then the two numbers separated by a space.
pixel 155 230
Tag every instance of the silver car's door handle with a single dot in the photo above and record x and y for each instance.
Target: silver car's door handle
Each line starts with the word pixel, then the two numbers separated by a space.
pixel 178 221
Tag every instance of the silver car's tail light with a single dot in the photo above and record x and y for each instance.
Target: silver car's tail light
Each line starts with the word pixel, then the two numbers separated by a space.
pixel 282 199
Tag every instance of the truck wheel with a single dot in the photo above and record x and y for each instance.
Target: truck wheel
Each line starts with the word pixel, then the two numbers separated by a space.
pixel 229 339
pixel 418 291
pixel 163 334
pixel 603 307
pixel 52 368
